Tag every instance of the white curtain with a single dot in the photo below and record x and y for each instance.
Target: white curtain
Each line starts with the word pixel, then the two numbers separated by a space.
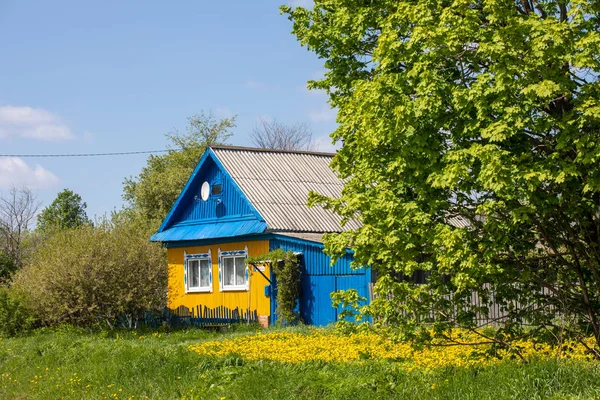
pixel 204 273
pixel 228 271
pixel 240 271
pixel 193 273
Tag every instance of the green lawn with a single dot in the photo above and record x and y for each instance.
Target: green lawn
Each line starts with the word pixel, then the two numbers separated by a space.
pixel 71 364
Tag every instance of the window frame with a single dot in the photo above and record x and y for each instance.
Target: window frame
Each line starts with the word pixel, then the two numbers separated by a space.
pixel 233 254
pixel 199 257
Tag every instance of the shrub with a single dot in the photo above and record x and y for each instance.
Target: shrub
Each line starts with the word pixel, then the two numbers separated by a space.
pixel 95 273
pixel 7 266
pixel 15 317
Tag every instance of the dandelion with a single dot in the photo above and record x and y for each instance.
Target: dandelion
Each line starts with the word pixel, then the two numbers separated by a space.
pixel 320 345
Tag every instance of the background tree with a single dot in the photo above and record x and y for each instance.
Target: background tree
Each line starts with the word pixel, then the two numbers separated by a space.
pixel 471 136
pixel 17 212
pixel 272 134
pixel 66 211
pixel 152 193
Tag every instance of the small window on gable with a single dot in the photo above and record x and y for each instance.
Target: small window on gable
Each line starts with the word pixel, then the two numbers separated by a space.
pixel 198 273
pixel 216 189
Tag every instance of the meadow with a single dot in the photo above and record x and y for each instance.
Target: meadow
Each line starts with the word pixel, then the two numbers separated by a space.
pixel 291 363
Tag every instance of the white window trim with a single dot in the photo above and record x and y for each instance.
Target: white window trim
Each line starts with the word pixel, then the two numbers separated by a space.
pixel 199 256
pixel 232 254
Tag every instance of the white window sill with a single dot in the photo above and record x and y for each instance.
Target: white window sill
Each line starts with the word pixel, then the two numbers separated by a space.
pixel 234 289
pixel 199 290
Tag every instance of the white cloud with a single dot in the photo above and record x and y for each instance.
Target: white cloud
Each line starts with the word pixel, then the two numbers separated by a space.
pixel 258 85
pixel 31 122
pixel 301 3
pixel 25 115
pixel 48 132
pixel 15 171
pixel 323 114
pixel 323 143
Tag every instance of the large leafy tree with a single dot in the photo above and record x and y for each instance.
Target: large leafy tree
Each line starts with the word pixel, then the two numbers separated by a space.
pixel 471 149
pixel 152 193
pixel 66 211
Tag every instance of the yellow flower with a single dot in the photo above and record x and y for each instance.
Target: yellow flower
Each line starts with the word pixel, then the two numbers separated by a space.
pixel 323 345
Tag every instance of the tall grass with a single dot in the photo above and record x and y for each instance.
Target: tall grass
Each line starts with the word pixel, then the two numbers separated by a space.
pixel 69 363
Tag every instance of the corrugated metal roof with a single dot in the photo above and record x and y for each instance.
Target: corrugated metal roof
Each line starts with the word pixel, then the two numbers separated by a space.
pixel 277 183
pixel 209 231
pixel 313 237
pixel 458 222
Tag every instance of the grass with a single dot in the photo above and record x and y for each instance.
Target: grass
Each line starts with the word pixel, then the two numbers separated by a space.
pixel 69 363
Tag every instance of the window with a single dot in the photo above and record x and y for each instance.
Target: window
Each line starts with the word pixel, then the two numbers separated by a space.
pixel 198 273
pixel 216 189
pixel 233 272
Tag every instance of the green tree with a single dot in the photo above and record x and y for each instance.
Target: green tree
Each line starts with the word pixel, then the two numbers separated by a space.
pixel 471 149
pixel 66 211
pixel 152 193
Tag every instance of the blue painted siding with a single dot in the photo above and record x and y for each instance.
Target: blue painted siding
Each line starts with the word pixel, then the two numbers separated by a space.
pixel 315 301
pixel 319 280
pixel 317 262
pixel 232 203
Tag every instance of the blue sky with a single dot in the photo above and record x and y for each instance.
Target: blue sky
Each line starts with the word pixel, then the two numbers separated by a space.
pixel 110 76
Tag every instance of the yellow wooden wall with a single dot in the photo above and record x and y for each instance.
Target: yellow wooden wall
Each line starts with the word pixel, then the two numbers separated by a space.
pixel 256 294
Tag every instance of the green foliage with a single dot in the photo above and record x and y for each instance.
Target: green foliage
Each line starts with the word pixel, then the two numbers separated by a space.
pixel 15 317
pixel 70 364
pixel 66 211
pixel 154 191
pixel 471 151
pixel 354 310
pixel 8 266
pixel 85 275
pixel 287 270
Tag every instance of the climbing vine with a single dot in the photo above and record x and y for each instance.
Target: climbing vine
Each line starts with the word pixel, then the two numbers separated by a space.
pixel 286 267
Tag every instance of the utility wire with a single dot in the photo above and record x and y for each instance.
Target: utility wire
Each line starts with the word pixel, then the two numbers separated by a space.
pixel 83 154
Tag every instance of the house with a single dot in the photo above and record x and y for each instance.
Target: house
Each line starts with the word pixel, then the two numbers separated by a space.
pixel 242 202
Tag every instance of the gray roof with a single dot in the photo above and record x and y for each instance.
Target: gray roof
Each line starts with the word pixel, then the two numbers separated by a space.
pixel 310 236
pixel 277 183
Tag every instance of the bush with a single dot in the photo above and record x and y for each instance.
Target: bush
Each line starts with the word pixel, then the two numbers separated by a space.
pixel 95 274
pixel 15 317
pixel 7 266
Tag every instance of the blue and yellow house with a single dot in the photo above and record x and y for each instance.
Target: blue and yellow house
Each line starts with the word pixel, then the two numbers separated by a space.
pixel 242 202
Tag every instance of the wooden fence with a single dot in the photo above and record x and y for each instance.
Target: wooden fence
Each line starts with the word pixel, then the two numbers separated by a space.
pixel 183 317
pixel 202 316
pixel 497 313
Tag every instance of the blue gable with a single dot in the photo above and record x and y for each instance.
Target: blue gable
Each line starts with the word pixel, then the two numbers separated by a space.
pixel 222 215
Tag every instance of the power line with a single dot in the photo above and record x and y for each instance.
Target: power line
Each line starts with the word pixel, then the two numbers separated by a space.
pixel 83 154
